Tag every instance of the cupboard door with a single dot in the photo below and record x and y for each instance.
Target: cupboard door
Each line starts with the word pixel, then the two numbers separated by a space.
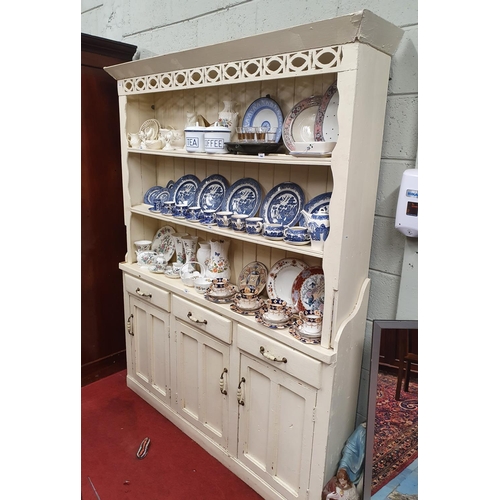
pixel 276 427
pixel 149 347
pixel 202 364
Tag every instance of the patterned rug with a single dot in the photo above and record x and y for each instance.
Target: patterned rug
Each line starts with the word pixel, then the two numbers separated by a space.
pixel 396 430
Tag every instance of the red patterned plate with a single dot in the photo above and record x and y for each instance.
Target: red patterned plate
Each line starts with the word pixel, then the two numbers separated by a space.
pixel 308 290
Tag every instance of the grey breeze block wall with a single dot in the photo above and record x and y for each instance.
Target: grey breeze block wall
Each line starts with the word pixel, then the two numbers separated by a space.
pixel 160 26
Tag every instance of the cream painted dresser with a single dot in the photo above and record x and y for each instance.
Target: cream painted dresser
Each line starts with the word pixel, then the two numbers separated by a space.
pixel 218 375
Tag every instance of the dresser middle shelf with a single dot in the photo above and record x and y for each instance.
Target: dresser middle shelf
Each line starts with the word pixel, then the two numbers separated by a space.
pixel 257 239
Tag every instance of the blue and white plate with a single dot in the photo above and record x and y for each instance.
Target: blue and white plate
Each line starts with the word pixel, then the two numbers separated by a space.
pixel 313 206
pixel 184 190
pixel 264 112
pixel 151 193
pixel 211 192
pixel 282 205
pixel 243 197
pixel 163 195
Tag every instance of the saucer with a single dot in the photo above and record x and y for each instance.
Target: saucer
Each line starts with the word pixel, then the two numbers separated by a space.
pixel 278 326
pixel 243 310
pixel 295 332
pixel 266 317
pixel 231 290
pixel 290 242
pixel 246 312
pixel 219 300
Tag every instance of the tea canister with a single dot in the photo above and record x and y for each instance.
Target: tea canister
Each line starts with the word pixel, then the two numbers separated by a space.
pixel 215 138
pixel 195 138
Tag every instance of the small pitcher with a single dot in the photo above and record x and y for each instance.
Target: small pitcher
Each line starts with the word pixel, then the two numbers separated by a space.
pixel 134 141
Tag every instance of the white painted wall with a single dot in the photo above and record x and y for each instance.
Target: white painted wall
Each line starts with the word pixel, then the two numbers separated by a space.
pixel 160 26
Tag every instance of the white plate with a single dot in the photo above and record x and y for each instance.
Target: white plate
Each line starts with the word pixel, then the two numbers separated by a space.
pixel 299 123
pixel 310 154
pixel 163 242
pixel 326 125
pixel 281 278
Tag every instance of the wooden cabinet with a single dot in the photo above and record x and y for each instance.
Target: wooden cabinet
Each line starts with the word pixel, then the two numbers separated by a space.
pixel 282 425
pixel 103 238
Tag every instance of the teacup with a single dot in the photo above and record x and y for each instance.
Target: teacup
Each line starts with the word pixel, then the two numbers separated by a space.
pixel 310 322
pixel 168 208
pixel 142 246
pixel 176 268
pixel 201 285
pixel 223 218
pixel 275 231
pixel 219 287
pixel 180 210
pixel 297 234
pixel 194 213
pixel 157 205
pixel 238 222
pixel 247 301
pixel 208 217
pixel 254 225
pixel 276 310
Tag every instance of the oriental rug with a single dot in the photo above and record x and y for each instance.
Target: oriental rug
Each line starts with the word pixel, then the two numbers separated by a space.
pixel 396 430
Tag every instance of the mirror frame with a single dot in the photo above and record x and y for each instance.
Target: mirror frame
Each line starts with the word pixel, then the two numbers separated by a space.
pixel 378 326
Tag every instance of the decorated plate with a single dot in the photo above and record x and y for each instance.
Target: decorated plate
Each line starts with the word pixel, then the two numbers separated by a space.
pixel 326 125
pixel 243 197
pixel 163 242
pixel 264 112
pixel 211 192
pixel 310 154
pixel 151 193
pixel 308 290
pixel 184 190
pixel 313 206
pixel 253 274
pixel 282 205
pixel 150 129
pixel 163 195
pixel 299 123
pixel 281 278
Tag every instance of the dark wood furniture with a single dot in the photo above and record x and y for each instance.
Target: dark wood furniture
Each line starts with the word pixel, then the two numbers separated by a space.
pixel 407 359
pixel 102 238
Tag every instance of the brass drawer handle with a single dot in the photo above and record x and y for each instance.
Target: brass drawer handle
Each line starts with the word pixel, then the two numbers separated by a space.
pixel 142 294
pixel 270 356
pixel 194 320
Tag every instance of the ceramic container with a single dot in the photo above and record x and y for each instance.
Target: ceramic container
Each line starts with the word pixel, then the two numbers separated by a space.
pixel 159 264
pixel 310 322
pixel 192 271
pixel 275 231
pixel 219 287
pixel 297 234
pixel 202 284
pixel 168 208
pixel 238 222
pixel 142 246
pixel 195 138
pixel 194 214
pixel 215 138
pixel 223 218
pixel 254 225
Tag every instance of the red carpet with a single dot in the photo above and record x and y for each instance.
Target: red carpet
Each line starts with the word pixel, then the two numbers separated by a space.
pixel 114 422
pixel 396 430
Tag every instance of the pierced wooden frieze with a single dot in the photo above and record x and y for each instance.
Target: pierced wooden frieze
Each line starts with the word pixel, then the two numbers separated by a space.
pixel 305 62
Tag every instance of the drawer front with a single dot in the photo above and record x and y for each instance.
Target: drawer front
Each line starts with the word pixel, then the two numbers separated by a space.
pixel 297 364
pixel 203 319
pixel 150 293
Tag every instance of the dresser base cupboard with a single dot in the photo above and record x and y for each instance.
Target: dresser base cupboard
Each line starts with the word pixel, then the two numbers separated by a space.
pixel 274 410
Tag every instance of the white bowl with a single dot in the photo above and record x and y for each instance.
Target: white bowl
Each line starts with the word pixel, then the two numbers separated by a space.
pixel 314 147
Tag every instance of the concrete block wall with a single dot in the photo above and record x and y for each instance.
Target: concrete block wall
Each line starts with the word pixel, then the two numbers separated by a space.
pixel 160 26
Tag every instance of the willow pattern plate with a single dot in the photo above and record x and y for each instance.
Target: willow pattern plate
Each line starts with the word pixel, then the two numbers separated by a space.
pixel 151 193
pixel 282 205
pixel 281 278
pixel 297 132
pixel 243 197
pixel 308 290
pixel 163 242
pixel 211 192
pixel 184 190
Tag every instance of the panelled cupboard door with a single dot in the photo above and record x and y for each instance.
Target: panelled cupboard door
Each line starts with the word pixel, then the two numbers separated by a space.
pixel 202 364
pixel 276 427
pixel 150 348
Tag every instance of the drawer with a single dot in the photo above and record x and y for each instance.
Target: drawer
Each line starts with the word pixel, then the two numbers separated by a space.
pixel 149 293
pixel 297 364
pixel 203 319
